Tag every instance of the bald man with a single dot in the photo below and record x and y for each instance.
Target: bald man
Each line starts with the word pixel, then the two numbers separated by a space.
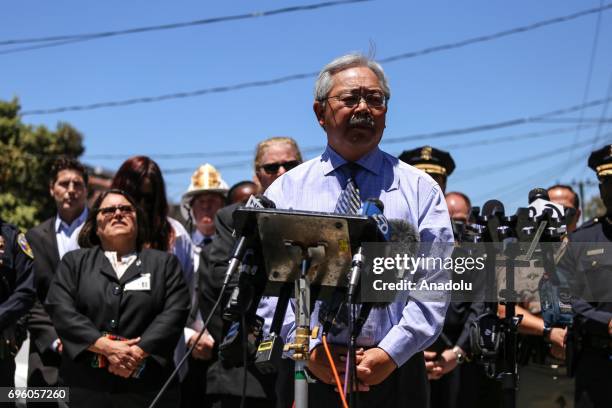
pixel 458 206
pixel 567 197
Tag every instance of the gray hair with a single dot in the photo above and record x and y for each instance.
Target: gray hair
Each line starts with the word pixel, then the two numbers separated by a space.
pixel 325 83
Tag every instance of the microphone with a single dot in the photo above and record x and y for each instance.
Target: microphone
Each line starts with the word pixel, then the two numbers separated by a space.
pixel 493 207
pixel 403 232
pixel 538 193
pixel 239 249
pixel 374 208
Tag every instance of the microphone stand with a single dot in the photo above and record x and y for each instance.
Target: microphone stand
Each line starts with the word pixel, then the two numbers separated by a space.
pixel 301 347
pixel 356 267
pixel 509 377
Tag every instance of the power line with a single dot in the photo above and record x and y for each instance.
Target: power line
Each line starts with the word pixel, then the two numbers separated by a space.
pixel 604 110
pixel 473 172
pixel 496 125
pixel 587 85
pixel 580 121
pixel 512 188
pixel 58 40
pixel 294 77
pixel 513 138
pixel 178 95
pixel 420 136
pixel 316 149
pixel 501 166
pixel 500 34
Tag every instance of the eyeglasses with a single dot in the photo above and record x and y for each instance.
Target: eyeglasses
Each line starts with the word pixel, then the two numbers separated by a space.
pixel 123 209
pixel 272 168
pixel 375 100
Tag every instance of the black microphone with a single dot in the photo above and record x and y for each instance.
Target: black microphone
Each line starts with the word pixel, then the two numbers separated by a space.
pixel 239 249
pixel 373 208
pixel 538 193
pixel 493 207
pixel 404 236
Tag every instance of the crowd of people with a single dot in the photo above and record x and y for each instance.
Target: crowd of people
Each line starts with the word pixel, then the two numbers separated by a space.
pixel 113 295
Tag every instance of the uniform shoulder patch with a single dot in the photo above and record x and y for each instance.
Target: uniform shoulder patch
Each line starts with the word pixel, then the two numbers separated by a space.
pixel 23 244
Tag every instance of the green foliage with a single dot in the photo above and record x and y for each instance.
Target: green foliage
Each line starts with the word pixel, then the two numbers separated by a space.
pixel 26 155
pixel 593 207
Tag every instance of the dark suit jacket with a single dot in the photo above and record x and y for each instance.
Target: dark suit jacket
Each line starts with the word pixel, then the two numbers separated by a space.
pixel 213 265
pixel 43 362
pixel 86 300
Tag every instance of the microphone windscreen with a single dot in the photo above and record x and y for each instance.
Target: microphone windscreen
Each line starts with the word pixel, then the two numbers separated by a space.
pixel 538 193
pixel 259 201
pixel 403 232
pixel 493 207
pixel 266 202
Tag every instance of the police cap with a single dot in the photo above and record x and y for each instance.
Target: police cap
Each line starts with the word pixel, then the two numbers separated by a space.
pixel 430 160
pixel 601 161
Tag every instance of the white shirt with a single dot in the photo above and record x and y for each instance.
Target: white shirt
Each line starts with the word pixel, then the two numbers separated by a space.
pixel 120 265
pixel 67 234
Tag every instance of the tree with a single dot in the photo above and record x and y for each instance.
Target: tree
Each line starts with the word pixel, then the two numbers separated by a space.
pixel 26 155
pixel 593 207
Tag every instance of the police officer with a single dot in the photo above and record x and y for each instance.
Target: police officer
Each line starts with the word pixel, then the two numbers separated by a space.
pixel 587 267
pixel 16 296
pixel 435 162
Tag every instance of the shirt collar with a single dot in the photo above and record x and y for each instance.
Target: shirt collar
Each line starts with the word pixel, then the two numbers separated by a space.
pixel 61 224
pixel 197 237
pixel 372 161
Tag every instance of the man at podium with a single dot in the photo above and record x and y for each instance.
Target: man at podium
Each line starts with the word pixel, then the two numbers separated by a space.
pixel 351 99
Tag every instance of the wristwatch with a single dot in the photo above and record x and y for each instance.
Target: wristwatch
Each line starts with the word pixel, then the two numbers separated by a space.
pixel 459 353
pixel 546 333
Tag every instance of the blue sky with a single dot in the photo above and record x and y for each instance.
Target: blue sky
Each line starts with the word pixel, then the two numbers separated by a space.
pixel 513 77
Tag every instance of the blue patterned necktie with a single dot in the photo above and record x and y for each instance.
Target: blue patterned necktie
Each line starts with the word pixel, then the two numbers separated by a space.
pixel 349 201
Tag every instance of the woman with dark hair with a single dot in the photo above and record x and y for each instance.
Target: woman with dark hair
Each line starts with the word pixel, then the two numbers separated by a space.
pixel 141 177
pixel 119 309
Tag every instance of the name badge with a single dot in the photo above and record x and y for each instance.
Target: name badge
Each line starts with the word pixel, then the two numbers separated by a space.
pixel 595 252
pixel 142 283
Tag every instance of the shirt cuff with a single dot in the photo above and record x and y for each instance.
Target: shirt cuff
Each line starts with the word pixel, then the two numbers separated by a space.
pixel 55 345
pixel 188 333
pixel 399 345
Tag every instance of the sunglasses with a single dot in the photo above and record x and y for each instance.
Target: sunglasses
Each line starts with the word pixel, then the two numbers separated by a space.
pixel 123 209
pixel 272 168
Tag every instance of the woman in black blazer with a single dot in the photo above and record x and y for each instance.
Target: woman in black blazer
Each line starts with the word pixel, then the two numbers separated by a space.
pixel 119 310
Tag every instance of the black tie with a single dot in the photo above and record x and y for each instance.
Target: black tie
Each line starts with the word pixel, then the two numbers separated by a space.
pixel 205 241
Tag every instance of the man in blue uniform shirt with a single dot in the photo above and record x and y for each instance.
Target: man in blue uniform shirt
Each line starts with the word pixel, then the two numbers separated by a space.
pixel 351 96
pixel 16 297
pixel 587 265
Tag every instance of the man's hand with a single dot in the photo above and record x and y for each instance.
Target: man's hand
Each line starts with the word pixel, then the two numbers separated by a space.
pixel 203 349
pixel 375 366
pixel 318 364
pixel 434 371
pixel 448 361
pixel 557 336
pixel 60 346
pixel 610 328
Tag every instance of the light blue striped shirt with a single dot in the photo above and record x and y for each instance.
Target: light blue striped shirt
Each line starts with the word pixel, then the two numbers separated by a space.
pixel 401 329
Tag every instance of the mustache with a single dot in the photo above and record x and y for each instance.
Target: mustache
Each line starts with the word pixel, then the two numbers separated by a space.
pixel 363 120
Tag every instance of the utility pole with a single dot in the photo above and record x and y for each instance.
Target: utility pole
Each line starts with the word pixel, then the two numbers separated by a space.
pixel 580 184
